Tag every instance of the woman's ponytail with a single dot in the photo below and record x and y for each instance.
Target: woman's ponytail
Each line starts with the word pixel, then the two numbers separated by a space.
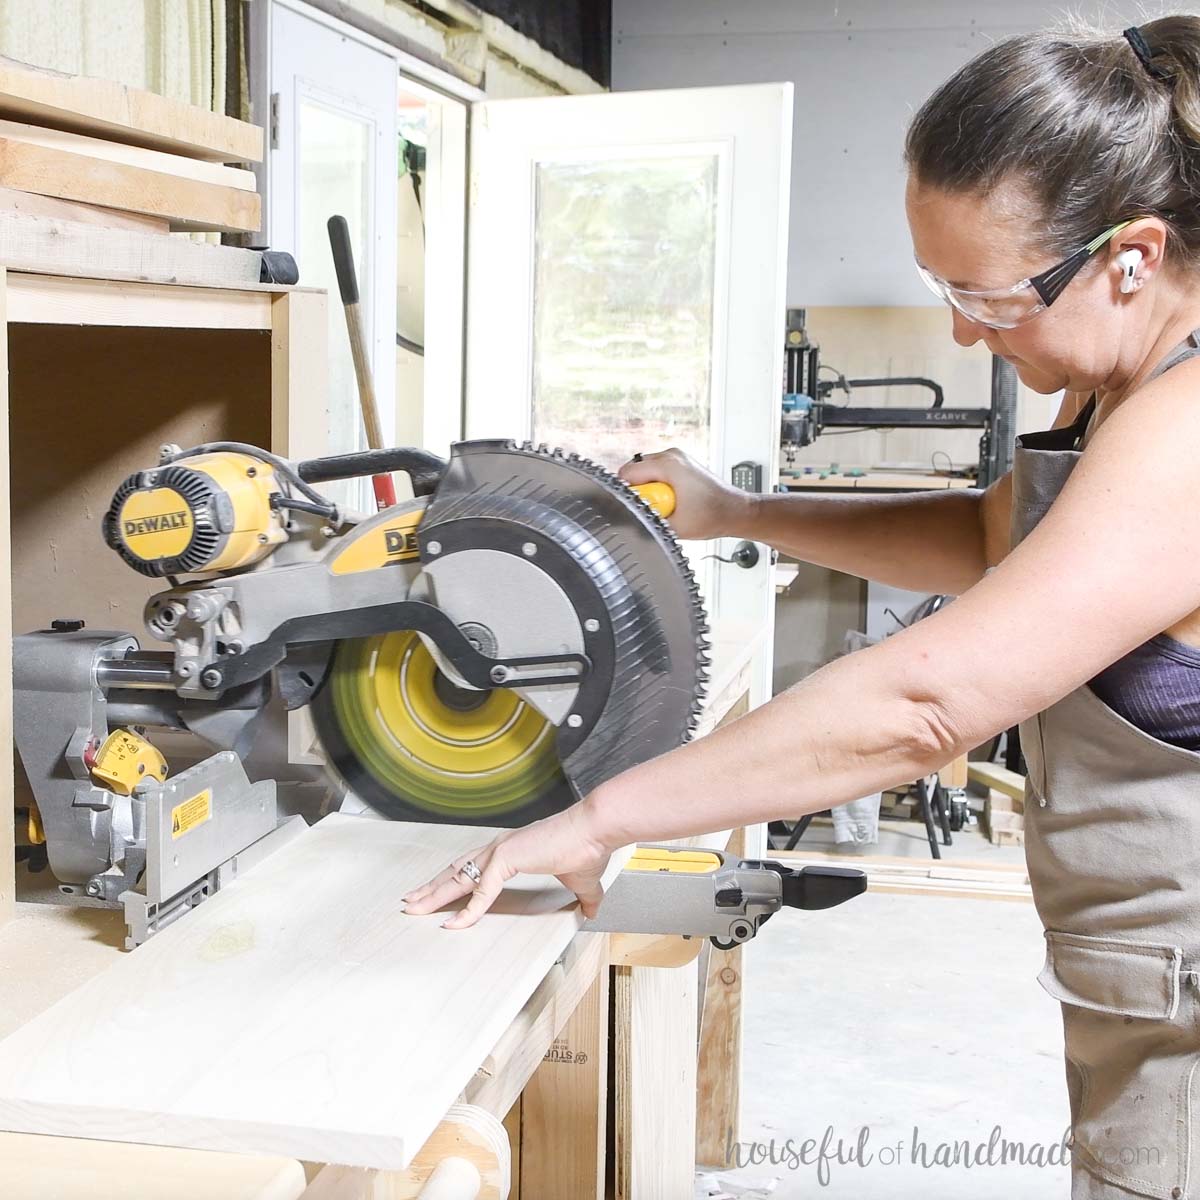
pixel 1175 43
pixel 1099 126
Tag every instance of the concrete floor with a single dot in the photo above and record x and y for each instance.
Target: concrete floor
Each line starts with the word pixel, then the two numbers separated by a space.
pixel 894 1013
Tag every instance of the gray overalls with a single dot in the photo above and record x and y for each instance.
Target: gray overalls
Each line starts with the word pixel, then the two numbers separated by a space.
pixel 1112 838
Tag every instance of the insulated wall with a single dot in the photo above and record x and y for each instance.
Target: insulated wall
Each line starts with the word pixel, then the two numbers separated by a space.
pixel 861 68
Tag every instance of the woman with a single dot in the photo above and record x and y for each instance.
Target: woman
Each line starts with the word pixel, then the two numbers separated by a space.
pixel 1070 163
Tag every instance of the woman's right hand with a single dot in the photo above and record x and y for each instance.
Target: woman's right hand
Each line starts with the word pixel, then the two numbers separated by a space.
pixel 704 506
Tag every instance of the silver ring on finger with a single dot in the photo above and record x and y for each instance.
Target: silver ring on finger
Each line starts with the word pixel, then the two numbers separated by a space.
pixel 471 871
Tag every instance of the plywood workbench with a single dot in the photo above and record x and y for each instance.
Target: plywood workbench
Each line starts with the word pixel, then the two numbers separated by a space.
pixel 97 374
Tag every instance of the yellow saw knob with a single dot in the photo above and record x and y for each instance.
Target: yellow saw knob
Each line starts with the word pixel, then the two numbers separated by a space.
pixel 125 760
pixel 660 497
pixel 34 830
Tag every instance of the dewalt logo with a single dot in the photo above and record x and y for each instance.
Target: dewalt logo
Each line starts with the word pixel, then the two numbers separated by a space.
pixel 400 541
pixel 397 543
pixel 157 523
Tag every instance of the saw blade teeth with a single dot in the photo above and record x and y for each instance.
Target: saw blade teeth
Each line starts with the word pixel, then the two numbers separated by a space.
pixel 670 541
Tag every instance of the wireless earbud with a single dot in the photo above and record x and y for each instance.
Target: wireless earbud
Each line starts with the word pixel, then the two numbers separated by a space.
pixel 1129 261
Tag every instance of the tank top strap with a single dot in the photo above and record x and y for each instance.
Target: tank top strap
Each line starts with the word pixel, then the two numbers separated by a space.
pixel 1070 437
pixel 1187 349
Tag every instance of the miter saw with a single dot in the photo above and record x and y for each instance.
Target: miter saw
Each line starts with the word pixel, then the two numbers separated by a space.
pixel 522 630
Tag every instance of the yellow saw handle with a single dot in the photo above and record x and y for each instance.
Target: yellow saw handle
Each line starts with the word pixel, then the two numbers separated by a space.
pixel 660 497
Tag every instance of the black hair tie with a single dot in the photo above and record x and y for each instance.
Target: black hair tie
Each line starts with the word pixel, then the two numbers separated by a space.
pixel 1141 47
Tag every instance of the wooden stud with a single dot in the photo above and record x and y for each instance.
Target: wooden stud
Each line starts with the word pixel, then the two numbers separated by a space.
pixel 719 1069
pixel 300 428
pixel 56 247
pixel 187 203
pixel 718 1094
pixel 299 374
pixel 959 868
pixel 954 774
pixel 133 156
pixel 564 1107
pixel 654 1082
pixel 992 775
pixel 922 878
pixel 104 108
pixel 29 204
pixel 512 1126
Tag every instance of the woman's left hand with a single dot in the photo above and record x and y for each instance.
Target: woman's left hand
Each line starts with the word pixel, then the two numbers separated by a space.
pixel 565 845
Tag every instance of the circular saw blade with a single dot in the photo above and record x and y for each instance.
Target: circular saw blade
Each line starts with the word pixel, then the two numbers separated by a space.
pixel 416 747
pixel 632 589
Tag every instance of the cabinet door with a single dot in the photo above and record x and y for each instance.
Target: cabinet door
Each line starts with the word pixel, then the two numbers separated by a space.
pixel 626 266
pixel 333 150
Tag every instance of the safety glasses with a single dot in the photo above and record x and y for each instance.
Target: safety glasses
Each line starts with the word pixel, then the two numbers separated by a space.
pixel 1006 308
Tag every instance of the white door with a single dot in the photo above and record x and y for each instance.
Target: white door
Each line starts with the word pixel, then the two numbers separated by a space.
pixel 333 150
pixel 626 270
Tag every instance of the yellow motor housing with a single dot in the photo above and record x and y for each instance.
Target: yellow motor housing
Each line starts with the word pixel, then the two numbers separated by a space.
pixel 208 513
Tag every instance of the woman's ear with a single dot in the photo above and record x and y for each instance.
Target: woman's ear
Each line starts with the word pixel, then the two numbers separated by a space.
pixel 1137 253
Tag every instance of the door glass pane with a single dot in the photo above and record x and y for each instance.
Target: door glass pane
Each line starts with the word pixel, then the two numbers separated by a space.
pixel 333 167
pixel 624 276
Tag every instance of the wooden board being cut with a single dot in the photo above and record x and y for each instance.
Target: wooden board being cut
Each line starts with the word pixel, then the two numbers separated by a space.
pixel 108 109
pixel 299 1012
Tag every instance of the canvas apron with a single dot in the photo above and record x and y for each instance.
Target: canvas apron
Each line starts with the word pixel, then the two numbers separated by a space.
pixel 1112 839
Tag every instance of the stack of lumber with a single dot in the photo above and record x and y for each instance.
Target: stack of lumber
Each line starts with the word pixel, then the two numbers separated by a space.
pixel 95 175
pixel 917 877
pixel 1004 809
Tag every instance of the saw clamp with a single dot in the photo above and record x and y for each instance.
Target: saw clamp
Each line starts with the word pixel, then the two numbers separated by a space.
pixel 708 893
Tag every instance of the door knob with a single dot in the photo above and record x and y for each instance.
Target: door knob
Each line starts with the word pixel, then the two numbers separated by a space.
pixel 745 555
